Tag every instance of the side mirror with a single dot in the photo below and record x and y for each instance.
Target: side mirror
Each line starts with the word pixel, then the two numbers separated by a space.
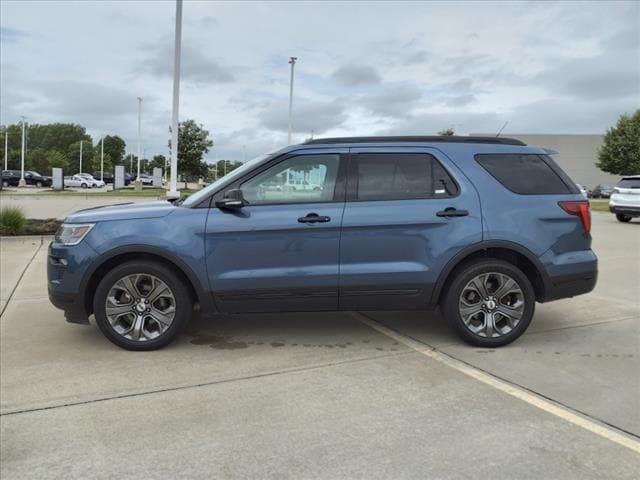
pixel 233 200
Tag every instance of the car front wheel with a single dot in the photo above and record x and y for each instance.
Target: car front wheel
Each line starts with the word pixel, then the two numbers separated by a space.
pixel 142 305
pixel 489 303
pixel 623 218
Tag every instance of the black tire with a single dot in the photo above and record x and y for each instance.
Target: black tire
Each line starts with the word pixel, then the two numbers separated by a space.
pixel 451 298
pixel 5 183
pixel 83 185
pixel 183 303
pixel 39 184
pixel 623 218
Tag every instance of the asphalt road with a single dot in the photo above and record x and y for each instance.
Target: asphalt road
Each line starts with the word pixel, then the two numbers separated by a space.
pixel 341 395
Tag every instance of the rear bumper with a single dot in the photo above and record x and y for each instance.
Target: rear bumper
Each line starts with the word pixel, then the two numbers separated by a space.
pixel 625 210
pixel 566 286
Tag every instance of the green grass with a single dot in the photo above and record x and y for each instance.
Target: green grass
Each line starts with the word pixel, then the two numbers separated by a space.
pixel 599 205
pixel 12 221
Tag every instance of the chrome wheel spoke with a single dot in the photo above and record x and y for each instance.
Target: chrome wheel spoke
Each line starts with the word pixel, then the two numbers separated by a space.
pixel 489 325
pixel 136 330
pixel 508 285
pixel 478 284
pixel 129 285
pixel 164 318
pixel 116 310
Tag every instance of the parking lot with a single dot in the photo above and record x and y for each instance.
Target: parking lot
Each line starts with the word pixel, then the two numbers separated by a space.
pixel 340 395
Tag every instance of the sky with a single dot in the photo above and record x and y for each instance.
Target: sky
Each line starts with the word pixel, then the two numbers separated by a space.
pixel 364 68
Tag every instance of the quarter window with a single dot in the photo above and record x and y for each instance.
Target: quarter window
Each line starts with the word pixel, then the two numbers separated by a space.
pixel 527 174
pixel 299 179
pixel 400 176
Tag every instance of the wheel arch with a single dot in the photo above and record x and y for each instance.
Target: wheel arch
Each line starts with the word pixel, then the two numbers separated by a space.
pixel 118 256
pixel 511 252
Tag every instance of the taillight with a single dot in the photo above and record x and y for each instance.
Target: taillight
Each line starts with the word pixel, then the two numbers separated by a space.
pixel 579 208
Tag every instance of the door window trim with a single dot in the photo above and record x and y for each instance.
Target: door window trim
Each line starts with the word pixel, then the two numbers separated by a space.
pixel 339 191
pixel 351 190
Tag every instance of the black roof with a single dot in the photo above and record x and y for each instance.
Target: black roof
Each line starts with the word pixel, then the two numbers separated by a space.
pixel 421 139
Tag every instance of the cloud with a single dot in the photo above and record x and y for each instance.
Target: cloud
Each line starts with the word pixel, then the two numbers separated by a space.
pixel 394 101
pixel 194 64
pixel 316 116
pixel 12 35
pixel 460 100
pixel 356 75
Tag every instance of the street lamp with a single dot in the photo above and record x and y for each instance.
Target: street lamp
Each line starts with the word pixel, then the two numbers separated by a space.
pixel 173 187
pixel 102 159
pixel 6 146
pixel 80 157
pixel 22 183
pixel 139 135
pixel 292 62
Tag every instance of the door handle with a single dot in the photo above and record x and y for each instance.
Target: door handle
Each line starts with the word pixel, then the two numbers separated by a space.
pixel 314 218
pixel 452 212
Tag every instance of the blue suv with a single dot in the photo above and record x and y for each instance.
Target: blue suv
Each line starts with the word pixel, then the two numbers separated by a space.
pixel 481 227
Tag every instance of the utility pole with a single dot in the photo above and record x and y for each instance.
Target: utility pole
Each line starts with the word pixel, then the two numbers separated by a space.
pixel 102 159
pixel 80 157
pixel 173 187
pixel 292 61
pixel 22 183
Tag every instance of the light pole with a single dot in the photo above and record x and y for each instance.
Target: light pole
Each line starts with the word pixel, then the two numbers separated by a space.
pixel 80 157
pixel 22 183
pixel 102 159
pixel 139 135
pixel 292 61
pixel 6 146
pixel 173 187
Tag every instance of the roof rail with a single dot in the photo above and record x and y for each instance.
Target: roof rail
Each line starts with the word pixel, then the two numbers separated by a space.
pixel 423 139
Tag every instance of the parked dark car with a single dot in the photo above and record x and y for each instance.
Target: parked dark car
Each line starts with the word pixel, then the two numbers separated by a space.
pixel 10 178
pixel 107 177
pixel 31 178
pixel 602 191
pixel 482 227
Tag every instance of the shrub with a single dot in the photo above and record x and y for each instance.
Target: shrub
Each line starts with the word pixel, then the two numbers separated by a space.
pixel 12 221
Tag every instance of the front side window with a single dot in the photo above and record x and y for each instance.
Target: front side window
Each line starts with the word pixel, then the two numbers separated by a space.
pixel 299 179
pixel 398 176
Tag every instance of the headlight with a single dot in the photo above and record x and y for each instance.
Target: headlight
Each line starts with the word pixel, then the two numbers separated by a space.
pixel 72 233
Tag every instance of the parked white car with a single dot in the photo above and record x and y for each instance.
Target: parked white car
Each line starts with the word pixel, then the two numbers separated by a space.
pixel 95 183
pixel 77 181
pixel 625 199
pixel 146 179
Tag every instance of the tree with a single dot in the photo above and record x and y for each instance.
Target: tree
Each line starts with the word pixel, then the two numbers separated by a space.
pixel 115 147
pixel 222 167
pixel 447 133
pixel 620 152
pixel 159 161
pixel 193 143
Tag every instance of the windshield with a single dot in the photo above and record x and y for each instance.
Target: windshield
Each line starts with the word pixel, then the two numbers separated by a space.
pixel 197 197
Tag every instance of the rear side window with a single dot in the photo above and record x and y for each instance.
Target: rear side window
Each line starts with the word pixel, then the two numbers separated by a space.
pixel 527 174
pixel 629 183
pixel 398 176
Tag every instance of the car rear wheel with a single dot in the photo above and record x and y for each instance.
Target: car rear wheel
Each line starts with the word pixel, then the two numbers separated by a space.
pixel 83 185
pixel 5 183
pixel 489 303
pixel 39 184
pixel 623 218
pixel 142 305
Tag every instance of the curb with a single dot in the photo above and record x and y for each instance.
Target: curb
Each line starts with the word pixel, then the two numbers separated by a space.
pixel 26 238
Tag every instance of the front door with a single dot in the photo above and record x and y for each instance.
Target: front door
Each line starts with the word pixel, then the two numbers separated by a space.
pixel 281 251
pixel 408 211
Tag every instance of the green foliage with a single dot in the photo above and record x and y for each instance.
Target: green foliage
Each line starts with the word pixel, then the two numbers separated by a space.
pixel 193 143
pixel 114 147
pixel 12 221
pixel 159 161
pixel 620 152
pixel 447 133
pixel 222 167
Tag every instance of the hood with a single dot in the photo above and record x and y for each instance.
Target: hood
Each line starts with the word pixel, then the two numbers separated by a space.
pixel 122 211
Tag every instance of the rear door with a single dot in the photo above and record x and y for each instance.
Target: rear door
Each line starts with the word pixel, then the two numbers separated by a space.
pixel 408 211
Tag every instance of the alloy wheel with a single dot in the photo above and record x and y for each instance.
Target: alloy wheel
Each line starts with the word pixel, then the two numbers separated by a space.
pixel 140 307
pixel 491 304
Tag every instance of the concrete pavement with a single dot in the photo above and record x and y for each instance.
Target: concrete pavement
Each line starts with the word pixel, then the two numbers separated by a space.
pixel 320 395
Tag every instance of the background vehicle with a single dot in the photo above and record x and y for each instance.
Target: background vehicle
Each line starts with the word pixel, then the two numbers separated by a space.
pixel 395 225
pixel 107 177
pixel 625 199
pixel 30 178
pixel 10 178
pixel 95 183
pixel 601 191
pixel 146 179
pixel 583 190
pixel 77 181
